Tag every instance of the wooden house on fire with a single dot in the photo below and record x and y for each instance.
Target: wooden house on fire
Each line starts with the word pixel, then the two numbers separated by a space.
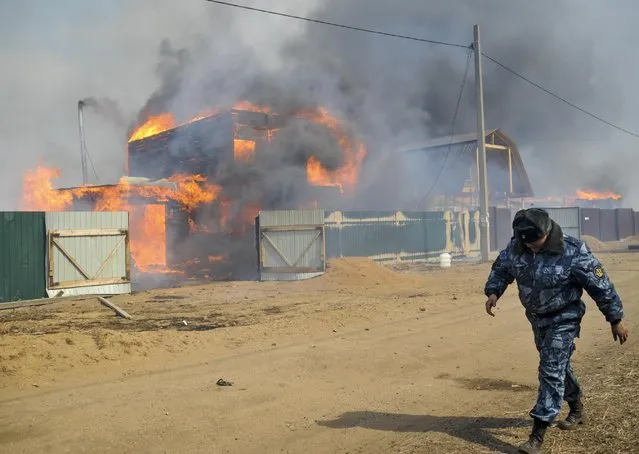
pixel 448 171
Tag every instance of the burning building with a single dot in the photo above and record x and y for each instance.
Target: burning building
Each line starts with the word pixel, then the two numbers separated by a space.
pixel 194 188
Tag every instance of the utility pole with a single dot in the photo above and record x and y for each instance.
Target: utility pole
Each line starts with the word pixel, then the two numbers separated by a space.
pixel 481 155
pixel 83 144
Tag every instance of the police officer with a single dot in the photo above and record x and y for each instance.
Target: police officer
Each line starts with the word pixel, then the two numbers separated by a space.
pixel 552 270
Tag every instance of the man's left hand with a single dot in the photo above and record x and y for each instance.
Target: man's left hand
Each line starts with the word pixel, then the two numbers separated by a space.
pixel 620 332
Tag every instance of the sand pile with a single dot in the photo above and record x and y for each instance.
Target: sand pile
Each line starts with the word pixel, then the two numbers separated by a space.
pixel 598 245
pixel 595 244
pixel 361 271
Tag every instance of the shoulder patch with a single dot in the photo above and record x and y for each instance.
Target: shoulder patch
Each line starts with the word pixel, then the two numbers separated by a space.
pixel 599 272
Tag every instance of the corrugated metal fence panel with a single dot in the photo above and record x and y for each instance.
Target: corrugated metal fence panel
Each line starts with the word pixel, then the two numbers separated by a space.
pixel 360 233
pixel 22 256
pixel 568 219
pixel 500 227
pixel 291 217
pixel 608 225
pixel 90 252
pixel 625 223
pixel 386 235
pixel 292 244
pixel 590 222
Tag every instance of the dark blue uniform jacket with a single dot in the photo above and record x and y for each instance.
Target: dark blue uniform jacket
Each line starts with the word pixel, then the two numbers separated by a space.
pixel 551 282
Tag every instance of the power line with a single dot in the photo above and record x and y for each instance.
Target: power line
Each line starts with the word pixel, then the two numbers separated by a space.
pixel 556 96
pixel 429 41
pixel 333 24
pixel 452 127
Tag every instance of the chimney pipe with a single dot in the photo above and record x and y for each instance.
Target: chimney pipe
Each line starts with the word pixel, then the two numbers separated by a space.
pixel 83 145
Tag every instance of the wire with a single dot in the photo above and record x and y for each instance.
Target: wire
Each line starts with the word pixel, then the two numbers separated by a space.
pixel 556 96
pixel 442 43
pixel 333 24
pixel 92 166
pixel 452 128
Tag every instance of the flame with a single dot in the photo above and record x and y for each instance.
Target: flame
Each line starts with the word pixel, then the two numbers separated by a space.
pixel 243 150
pixel 594 195
pixel 353 155
pixel 344 178
pixel 154 125
pixel 38 193
pixel 245 105
pixel 158 124
pixel 193 191
pixel 147 222
pixel 216 258
pixel 236 219
pixel 148 236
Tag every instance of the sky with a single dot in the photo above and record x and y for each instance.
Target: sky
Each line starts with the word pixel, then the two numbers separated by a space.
pixel 56 53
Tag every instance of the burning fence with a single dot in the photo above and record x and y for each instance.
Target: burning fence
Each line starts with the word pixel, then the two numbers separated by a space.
pixel 194 188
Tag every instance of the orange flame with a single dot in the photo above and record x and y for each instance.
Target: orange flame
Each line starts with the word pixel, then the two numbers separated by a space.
pixel 147 222
pixel 158 124
pixel 353 155
pixel 38 193
pixel 148 236
pixel 243 150
pixel 245 105
pixel 594 195
pixel 153 126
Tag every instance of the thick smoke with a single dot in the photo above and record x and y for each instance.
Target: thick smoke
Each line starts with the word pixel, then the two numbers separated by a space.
pixel 394 92
pixel 399 91
pixel 185 57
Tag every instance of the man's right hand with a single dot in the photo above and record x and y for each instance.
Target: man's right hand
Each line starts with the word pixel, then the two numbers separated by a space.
pixel 619 332
pixel 490 304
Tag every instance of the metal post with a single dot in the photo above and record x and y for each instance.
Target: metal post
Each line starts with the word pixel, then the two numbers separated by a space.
pixel 83 145
pixel 481 154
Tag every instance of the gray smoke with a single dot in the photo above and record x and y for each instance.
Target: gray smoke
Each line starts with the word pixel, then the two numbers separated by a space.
pixel 393 92
pixel 192 55
pixel 397 90
pixel 108 109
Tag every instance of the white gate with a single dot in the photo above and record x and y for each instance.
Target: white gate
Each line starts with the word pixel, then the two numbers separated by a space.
pixel 86 258
pixel 292 245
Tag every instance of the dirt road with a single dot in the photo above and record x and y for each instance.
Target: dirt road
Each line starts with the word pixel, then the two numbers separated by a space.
pixel 362 360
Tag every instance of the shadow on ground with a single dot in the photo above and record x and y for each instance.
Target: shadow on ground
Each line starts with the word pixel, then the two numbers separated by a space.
pixel 474 430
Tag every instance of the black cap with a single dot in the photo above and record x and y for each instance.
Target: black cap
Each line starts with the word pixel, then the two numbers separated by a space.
pixel 531 224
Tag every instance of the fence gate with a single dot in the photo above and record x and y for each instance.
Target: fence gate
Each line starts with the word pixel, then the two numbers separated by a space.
pixel 88 258
pixel 291 249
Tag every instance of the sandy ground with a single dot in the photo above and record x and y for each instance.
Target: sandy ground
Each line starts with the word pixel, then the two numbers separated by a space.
pixel 362 360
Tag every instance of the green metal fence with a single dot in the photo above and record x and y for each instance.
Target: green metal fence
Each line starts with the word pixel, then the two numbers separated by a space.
pixel 22 256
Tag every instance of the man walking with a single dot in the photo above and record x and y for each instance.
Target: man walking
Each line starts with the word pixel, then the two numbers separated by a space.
pixel 552 270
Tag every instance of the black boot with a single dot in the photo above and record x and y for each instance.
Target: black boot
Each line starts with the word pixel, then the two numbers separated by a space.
pixel 536 439
pixel 575 417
